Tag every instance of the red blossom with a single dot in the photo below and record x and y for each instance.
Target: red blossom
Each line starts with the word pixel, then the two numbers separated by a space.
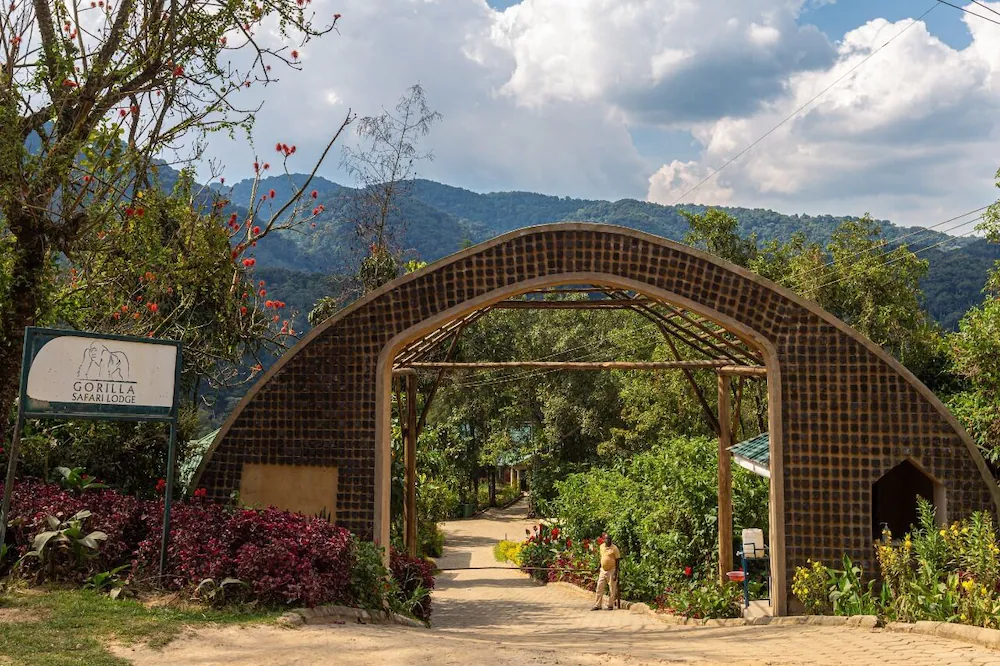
pixel 243 310
pixel 314 194
pixel 200 492
pixel 688 571
pixel 256 230
pixel 295 55
pixel 70 84
pixel 270 193
pixel 153 307
pixel 178 71
pixel 161 486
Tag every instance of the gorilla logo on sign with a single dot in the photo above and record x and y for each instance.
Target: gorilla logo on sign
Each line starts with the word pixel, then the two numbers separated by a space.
pixel 99 362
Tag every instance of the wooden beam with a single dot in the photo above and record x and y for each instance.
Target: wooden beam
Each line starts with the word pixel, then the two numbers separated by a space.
pixel 743 370
pixel 410 441
pixel 423 346
pixel 733 353
pixel 714 333
pixel 437 381
pixel 725 512
pixel 709 414
pixel 573 365
pixel 606 304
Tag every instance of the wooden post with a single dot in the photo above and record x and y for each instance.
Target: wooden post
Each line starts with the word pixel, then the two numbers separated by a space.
pixel 410 443
pixel 725 478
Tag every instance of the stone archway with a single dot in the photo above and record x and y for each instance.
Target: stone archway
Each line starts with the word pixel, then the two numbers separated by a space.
pixel 841 410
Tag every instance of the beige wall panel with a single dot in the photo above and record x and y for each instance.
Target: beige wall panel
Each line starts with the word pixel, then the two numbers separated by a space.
pixel 300 488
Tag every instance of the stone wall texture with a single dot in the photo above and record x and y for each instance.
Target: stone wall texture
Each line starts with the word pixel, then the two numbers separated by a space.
pixel 848 415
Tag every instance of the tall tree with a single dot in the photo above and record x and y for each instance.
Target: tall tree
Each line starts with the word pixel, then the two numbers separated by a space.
pixel 383 166
pixel 92 95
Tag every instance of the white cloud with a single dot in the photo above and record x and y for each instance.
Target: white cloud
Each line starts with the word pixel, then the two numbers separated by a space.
pixel 661 61
pixel 485 140
pixel 543 97
pixel 911 135
pixel 673 180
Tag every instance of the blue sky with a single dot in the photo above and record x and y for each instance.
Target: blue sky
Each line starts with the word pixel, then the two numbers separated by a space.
pixel 646 98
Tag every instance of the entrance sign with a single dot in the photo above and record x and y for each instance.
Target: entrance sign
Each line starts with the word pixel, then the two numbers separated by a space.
pixel 77 375
pixel 81 375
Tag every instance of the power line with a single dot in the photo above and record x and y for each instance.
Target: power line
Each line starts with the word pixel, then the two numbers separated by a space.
pixel 969 12
pixel 898 240
pixel 888 263
pixel 987 7
pixel 796 111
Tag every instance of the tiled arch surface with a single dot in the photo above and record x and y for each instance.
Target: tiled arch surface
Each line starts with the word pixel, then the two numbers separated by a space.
pixel 848 416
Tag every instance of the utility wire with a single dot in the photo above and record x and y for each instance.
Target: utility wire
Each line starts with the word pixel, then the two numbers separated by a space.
pixel 897 241
pixel 987 7
pixel 807 104
pixel 888 263
pixel 969 12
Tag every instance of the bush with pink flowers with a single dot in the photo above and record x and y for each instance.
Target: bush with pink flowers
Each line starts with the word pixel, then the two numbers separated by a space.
pixel 548 556
pixel 280 557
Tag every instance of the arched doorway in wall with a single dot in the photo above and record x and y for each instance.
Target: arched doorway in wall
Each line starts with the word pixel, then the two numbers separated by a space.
pixel 895 498
pixel 841 410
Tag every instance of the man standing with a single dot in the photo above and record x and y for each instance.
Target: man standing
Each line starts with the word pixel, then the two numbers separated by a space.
pixel 609 573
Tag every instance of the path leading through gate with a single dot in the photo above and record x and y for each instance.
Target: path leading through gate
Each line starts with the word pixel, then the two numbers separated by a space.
pixel 499 617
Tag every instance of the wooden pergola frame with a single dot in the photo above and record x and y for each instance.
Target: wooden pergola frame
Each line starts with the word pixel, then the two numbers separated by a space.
pixel 726 354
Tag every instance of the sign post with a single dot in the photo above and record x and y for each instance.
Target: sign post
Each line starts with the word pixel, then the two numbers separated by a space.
pixel 80 375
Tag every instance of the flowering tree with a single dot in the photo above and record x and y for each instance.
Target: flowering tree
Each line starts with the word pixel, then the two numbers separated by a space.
pixel 95 96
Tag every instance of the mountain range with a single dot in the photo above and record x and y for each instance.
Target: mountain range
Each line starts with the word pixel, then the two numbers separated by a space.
pixel 435 220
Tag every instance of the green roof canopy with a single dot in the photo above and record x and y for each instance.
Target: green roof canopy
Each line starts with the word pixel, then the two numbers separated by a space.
pixel 754 454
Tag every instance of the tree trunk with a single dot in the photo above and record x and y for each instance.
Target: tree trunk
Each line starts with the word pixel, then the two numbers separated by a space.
pixel 23 298
pixel 493 486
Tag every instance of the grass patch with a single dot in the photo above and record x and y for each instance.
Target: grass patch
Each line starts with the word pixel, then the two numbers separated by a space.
pixel 74 626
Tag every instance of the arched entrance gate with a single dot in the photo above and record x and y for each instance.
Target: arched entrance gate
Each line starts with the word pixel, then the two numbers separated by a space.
pixel 842 413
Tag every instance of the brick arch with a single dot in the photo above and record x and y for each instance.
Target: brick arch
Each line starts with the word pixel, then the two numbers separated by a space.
pixel 841 410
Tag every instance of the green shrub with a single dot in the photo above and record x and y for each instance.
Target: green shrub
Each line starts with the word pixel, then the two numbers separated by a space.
pixel 431 539
pixel 848 594
pixel 703 599
pixel 436 501
pixel 660 508
pixel 943 574
pixel 508 551
pixel 371 583
pixel 810 585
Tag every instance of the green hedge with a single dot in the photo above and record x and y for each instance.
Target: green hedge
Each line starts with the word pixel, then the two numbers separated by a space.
pixel 660 507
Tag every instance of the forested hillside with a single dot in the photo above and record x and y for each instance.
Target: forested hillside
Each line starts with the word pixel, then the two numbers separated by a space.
pixel 435 220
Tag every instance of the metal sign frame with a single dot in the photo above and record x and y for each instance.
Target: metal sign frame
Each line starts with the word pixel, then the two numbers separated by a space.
pixel 34 339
